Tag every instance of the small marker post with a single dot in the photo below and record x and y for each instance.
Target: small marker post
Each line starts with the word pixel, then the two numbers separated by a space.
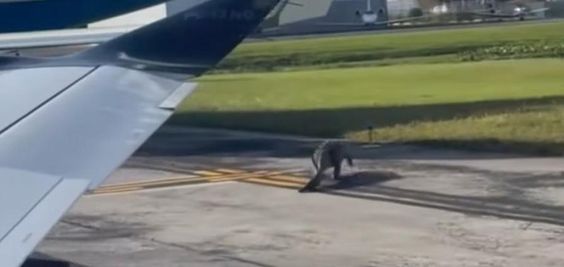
pixel 371 134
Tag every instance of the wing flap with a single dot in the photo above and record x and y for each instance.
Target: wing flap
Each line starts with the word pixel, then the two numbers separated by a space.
pixel 174 100
pixel 84 132
pixel 41 84
pixel 89 130
pixel 25 235
pixel 497 15
pixel 20 191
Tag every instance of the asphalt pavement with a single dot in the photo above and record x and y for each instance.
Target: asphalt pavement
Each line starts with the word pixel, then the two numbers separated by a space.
pixel 200 197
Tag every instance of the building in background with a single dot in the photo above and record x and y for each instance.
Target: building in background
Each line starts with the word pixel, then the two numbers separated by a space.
pixel 318 16
pixel 321 16
pixel 306 16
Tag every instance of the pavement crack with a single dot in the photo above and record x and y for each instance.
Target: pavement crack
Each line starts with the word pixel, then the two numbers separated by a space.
pixel 170 244
pixel 80 225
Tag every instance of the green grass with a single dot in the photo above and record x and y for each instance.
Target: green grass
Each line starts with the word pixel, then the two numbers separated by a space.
pixel 535 129
pixel 266 56
pixel 479 103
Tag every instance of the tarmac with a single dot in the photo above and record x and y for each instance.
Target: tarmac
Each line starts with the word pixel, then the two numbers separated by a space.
pixel 200 197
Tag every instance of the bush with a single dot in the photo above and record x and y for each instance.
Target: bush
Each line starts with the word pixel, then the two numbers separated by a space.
pixel 515 51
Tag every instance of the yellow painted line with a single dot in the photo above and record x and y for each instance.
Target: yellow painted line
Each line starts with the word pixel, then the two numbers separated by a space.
pixel 125 190
pixel 169 183
pixel 232 177
pixel 261 172
pixel 262 181
pixel 288 173
pixel 230 171
pixel 150 186
pixel 268 173
pixel 290 179
pixel 207 173
pixel 149 182
pixel 134 188
pixel 166 181
pixel 264 177
pixel 273 173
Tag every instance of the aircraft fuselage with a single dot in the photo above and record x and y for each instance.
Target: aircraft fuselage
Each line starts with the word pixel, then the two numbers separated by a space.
pixel 369 18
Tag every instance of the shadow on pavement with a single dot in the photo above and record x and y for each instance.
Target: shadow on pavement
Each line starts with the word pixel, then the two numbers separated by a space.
pixel 360 179
pixel 371 186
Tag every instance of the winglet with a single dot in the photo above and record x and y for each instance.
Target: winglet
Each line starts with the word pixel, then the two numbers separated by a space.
pixel 190 42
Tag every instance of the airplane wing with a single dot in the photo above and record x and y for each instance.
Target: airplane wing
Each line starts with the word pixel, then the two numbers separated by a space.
pixel 510 15
pixel 340 24
pixel 67 123
pixel 408 19
pixel 378 23
pixel 538 10
pixel 42 39
pixel 496 15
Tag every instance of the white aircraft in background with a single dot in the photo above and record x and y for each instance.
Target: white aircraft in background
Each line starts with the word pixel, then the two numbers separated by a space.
pixel 488 10
pixel 520 11
pixel 67 123
pixel 370 18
